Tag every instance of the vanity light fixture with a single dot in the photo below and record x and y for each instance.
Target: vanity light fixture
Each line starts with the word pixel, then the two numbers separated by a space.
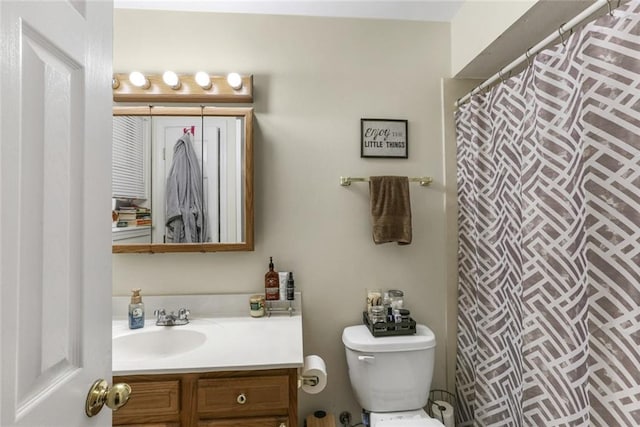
pixel 171 79
pixel 193 87
pixel 203 80
pixel 139 80
pixel 234 80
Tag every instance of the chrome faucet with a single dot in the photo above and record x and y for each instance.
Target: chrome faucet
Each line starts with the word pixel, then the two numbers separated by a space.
pixel 164 319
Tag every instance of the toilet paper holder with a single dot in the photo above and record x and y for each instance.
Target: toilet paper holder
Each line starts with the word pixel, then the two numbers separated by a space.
pixel 311 380
pixel 312 376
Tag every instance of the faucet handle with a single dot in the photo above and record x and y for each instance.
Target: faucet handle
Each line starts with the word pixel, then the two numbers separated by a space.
pixel 159 313
pixel 183 313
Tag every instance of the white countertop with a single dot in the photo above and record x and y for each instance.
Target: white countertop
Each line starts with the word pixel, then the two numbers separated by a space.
pixel 225 342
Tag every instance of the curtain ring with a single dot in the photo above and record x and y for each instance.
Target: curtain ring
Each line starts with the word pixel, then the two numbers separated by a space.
pixel 500 75
pixel 561 32
pixel 611 9
pixel 528 56
pixel 477 90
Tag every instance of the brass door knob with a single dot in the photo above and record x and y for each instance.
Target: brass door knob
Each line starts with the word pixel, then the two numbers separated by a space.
pixel 242 399
pixel 100 394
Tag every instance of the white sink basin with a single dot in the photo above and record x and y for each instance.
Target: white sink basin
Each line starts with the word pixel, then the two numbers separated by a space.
pixel 158 343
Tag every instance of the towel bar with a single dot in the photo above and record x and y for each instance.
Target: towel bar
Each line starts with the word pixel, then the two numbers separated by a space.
pixel 346 181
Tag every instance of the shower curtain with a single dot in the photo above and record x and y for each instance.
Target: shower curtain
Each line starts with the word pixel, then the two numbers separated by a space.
pixel 549 237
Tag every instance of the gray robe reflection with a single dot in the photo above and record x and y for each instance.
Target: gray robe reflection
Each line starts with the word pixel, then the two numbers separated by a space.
pixel 186 222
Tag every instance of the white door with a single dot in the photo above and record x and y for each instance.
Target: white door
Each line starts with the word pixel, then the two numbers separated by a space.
pixel 55 253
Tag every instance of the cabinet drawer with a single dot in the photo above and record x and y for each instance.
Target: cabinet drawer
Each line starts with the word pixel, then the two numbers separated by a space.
pixel 247 422
pixel 153 401
pixel 243 396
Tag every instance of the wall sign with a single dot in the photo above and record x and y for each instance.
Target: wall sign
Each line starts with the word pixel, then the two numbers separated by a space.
pixel 384 138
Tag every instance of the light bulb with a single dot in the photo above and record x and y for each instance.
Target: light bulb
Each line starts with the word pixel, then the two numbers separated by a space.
pixel 203 80
pixel 234 80
pixel 171 79
pixel 139 80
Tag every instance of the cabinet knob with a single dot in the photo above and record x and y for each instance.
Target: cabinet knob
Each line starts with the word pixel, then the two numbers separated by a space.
pixel 242 399
pixel 283 425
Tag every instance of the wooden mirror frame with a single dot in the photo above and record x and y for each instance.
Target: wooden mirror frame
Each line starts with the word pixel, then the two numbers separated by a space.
pixel 247 114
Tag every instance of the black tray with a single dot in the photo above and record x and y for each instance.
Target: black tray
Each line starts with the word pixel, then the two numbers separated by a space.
pixel 388 329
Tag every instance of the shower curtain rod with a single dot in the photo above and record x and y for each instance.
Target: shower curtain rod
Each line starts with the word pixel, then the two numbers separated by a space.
pixel 565 28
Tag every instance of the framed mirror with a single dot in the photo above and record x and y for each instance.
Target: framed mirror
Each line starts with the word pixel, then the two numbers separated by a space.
pixel 182 179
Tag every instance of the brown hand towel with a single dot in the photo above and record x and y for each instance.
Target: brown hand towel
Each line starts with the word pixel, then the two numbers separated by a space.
pixel 390 209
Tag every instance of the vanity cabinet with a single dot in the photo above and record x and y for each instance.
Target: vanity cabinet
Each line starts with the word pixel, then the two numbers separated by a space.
pixel 257 398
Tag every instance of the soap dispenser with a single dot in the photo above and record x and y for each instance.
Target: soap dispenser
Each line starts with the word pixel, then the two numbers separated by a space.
pixel 272 283
pixel 136 310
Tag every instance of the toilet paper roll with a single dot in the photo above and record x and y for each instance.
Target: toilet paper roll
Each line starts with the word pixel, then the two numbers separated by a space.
pixel 314 366
pixel 443 411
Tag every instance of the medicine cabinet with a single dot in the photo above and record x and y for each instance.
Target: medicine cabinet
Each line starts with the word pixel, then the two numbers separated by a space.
pixel 182 179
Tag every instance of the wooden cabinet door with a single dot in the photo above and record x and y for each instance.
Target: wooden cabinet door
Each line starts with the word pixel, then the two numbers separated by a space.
pixel 154 425
pixel 151 402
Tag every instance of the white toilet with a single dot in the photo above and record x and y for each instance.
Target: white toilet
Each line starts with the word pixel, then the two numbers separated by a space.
pixel 391 376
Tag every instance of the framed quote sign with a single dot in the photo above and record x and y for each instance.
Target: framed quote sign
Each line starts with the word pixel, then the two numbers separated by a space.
pixel 384 138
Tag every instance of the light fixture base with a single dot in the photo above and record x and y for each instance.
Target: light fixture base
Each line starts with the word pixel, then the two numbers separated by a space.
pixel 189 91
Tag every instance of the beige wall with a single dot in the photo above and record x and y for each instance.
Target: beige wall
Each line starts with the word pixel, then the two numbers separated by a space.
pixel 478 24
pixel 314 79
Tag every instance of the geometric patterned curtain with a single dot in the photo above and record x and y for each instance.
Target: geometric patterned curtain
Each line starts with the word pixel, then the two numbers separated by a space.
pixel 549 237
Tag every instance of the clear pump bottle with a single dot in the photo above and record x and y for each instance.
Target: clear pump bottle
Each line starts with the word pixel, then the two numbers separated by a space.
pixel 136 310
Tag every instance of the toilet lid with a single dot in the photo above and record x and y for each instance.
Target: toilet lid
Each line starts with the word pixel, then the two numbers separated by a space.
pixel 359 338
pixel 422 422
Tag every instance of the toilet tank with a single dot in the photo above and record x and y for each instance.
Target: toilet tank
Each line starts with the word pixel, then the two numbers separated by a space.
pixel 393 373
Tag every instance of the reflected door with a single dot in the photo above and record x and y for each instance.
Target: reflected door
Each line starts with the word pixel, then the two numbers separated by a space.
pixel 166 133
pixel 219 150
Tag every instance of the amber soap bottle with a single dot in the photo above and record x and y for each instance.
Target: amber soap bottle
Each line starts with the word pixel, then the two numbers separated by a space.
pixel 271 283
